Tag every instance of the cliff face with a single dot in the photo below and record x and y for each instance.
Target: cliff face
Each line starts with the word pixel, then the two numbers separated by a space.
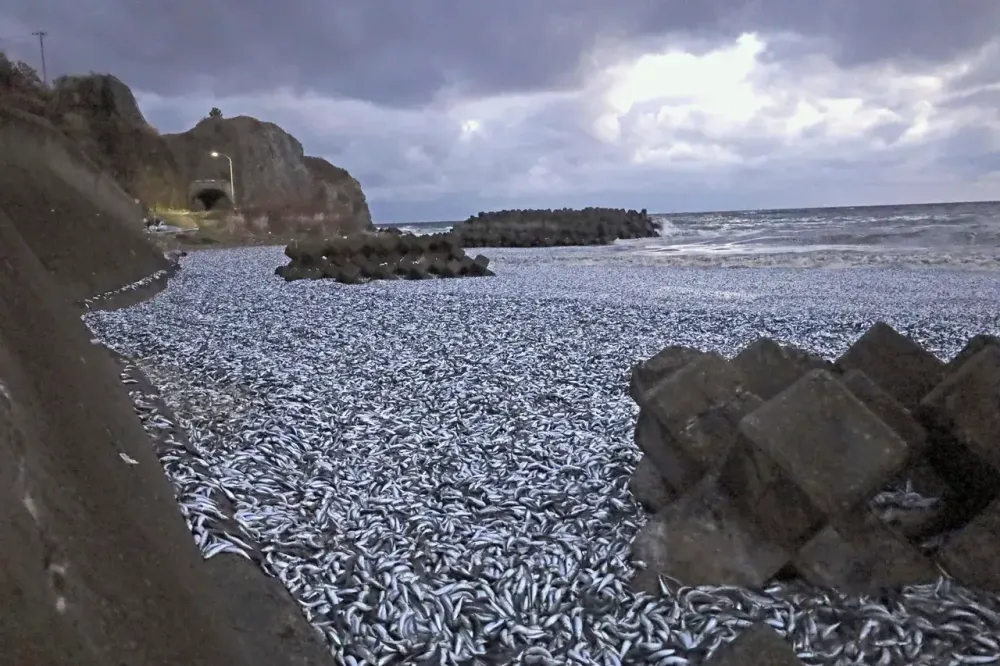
pixel 273 176
pixel 66 209
pixel 97 565
pixel 278 188
pixel 100 113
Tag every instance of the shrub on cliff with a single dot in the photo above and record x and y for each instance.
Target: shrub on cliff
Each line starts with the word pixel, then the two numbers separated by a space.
pixel 21 87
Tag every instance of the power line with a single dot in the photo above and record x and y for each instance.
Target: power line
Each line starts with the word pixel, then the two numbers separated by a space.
pixel 41 45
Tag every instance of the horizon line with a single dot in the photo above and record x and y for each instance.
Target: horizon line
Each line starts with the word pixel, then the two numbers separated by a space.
pixel 741 210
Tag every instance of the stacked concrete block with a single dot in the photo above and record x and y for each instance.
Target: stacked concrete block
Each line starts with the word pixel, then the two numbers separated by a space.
pixel 897 363
pixel 780 461
pixel 689 419
pixel 385 255
pixel 975 345
pixel 649 488
pixel 770 367
pixel 973 555
pixel 691 423
pixel 550 228
pixel 916 523
pixel 811 453
pixel 962 414
pixel 857 552
pixel 702 539
pixel 649 373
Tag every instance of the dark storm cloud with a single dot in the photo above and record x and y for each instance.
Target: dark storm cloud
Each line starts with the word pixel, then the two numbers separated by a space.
pixel 400 53
pixel 386 51
pixel 392 83
pixel 918 31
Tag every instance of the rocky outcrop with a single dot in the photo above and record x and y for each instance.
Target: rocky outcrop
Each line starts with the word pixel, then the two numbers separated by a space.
pixel 106 95
pixel 279 190
pixel 274 178
pixel 101 115
pixel 97 565
pixel 67 209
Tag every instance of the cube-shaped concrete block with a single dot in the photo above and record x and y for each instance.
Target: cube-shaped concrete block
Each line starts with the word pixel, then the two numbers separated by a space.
pixel 962 416
pixel 858 554
pixel 662 452
pixel 897 363
pixel 918 522
pixel 770 367
pixel 690 419
pixel 975 345
pixel 973 555
pixel 650 372
pixel 649 488
pixel 760 645
pixel 811 453
pixel 700 539
pixel 966 406
pixel 887 408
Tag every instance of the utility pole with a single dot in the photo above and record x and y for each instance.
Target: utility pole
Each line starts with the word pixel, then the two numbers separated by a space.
pixel 41 45
pixel 232 181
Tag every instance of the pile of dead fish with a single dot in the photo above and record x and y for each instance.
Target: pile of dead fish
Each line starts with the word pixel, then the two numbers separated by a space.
pixel 96 301
pixel 438 470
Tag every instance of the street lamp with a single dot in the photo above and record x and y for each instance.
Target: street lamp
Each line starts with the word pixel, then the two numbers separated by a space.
pixel 232 182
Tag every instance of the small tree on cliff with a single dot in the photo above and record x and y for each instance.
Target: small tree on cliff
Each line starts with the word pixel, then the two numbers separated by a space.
pixel 215 112
pixel 18 74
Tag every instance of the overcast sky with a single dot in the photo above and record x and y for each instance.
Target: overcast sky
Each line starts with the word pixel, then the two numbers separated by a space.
pixel 442 108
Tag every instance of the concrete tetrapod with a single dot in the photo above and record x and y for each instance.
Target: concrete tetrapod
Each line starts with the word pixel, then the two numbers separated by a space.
pixel 384 255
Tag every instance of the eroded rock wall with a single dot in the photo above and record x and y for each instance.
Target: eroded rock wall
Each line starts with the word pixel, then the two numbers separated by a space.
pixel 274 177
pixel 279 189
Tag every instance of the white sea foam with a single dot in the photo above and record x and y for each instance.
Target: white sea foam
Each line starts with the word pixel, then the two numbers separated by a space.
pixel 654 252
pixel 420 229
pixel 814 258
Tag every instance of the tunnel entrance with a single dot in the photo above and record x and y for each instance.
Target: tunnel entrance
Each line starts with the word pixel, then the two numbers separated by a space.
pixel 211 199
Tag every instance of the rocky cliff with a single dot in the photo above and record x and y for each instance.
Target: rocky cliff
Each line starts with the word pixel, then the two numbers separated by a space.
pixel 278 188
pixel 273 176
pixel 97 565
pixel 101 114
pixel 66 208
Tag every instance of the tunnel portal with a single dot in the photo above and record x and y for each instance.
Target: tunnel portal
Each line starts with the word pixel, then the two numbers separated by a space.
pixel 211 195
pixel 211 199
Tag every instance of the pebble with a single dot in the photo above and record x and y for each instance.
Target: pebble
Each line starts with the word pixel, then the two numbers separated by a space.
pixel 438 471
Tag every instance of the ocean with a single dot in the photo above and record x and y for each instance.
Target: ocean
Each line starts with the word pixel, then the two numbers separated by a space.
pixel 958 235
